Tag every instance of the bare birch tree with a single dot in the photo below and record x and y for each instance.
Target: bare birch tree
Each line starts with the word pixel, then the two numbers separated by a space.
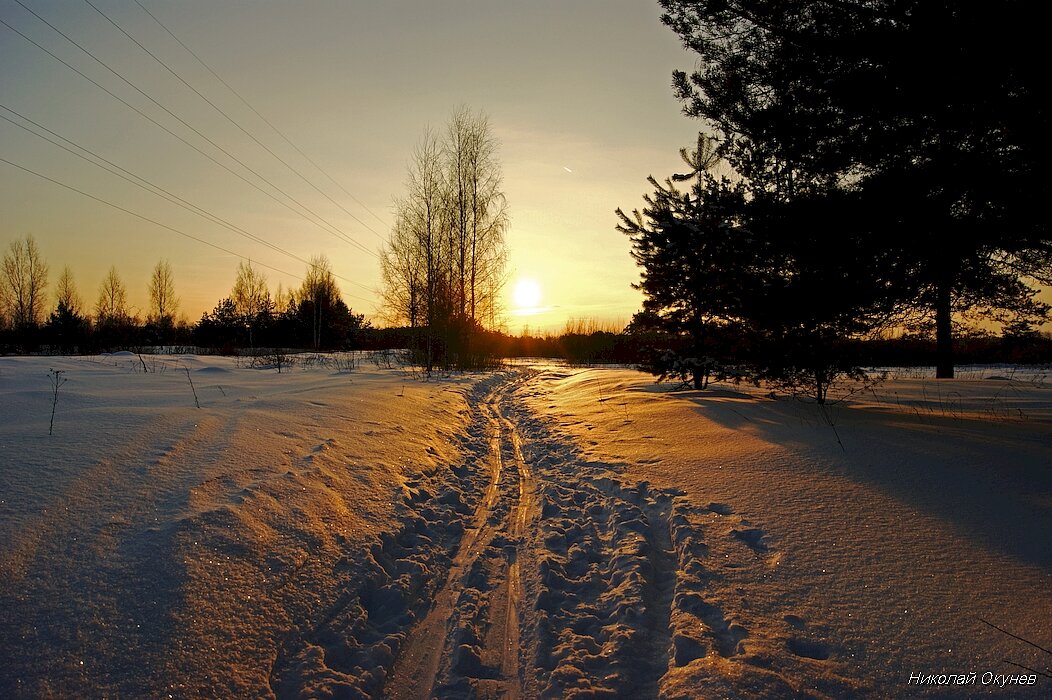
pixel 479 213
pixel 283 298
pixel 112 304
pixel 24 283
pixel 402 274
pixel 321 294
pixel 163 302
pixel 443 265
pixel 250 296
pixel 66 295
pixel 423 210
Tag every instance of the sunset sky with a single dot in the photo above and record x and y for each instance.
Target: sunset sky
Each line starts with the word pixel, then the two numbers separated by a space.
pixel 577 94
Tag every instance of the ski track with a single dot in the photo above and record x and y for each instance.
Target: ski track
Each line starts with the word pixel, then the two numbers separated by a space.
pixel 524 571
pixel 468 643
pixel 527 571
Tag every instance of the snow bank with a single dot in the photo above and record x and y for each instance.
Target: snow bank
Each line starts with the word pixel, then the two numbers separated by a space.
pixel 831 552
pixel 270 542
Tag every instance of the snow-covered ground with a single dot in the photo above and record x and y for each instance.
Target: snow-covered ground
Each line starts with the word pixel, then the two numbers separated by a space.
pixel 542 532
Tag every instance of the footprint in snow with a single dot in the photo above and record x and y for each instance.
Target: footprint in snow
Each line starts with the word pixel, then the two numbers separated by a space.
pixel 808 648
pixel 752 537
pixel 321 447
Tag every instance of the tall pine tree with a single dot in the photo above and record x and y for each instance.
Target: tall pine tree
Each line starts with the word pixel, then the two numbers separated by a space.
pixel 932 111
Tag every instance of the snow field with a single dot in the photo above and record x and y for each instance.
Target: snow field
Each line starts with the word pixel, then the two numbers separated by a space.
pixel 547 532
pixel 834 560
pixel 150 548
pixel 625 586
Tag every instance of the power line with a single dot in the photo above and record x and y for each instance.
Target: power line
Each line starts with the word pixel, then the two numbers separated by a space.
pixel 264 119
pixel 317 220
pixel 143 183
pixel 146 116
pixel 153 188
pixel 159 191
pixel 227 116
pixel 138 216
pixel 158 223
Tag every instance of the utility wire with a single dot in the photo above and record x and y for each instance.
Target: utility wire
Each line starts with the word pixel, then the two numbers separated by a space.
pixel 227 116
pixel 149 118
pixel 143 183
pixel 317 221
pixel 155 189
pixel 156 223
pixel 139 216
pixel 131 177
pixel 265 120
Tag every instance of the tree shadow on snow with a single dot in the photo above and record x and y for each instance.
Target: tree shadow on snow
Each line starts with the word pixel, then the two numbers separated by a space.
pixel 990 480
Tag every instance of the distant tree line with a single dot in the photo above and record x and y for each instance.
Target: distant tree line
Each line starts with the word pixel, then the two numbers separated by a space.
pixel 644 345
pixel 871 166
pixel 443 265
pixel 312 316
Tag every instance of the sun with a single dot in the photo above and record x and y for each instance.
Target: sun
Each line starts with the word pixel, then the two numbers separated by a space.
pixel 527 294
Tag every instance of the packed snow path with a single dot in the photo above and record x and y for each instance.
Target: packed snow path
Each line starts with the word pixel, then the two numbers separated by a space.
pixel 445 653
pixel 568 582
pixel 525 570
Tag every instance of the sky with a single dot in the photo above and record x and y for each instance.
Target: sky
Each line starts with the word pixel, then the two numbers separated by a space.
pixel 577 93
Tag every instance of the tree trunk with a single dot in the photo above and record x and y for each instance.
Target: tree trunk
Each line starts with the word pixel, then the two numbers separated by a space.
pixel 943 333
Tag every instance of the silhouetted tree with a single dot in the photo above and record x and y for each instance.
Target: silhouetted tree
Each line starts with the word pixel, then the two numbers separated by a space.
pixel 402 273
pixel 821 286
pixel 66 293
pixel 770 284
pixel 66 329
pixel 163 302
pixel 251 299
pixel 318 299
pixel 114 324
pixel 112 304
pixel 420 220
pixel 221 328
pixel 698 265
pixel 24 285
pixel 933 111
pixel 477 216
pixel 443 266
pixel 325 323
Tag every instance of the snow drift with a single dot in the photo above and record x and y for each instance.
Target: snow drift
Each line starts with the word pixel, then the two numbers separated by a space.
pixel 543 532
